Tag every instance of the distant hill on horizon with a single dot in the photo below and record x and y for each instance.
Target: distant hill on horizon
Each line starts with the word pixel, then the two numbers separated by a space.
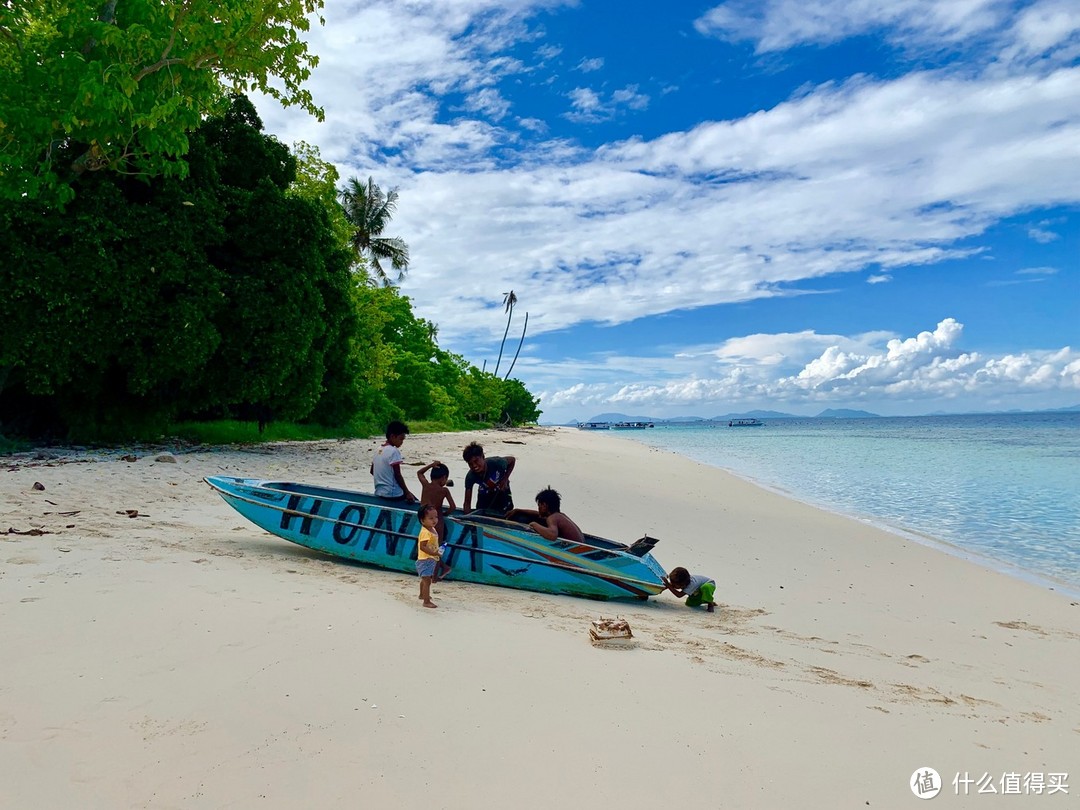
pixel 622 417
pixel 828 413
pixel 846 413
pixel 727 417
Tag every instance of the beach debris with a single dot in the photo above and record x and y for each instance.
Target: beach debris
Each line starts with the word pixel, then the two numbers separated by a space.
pixel 129 458
pixel 131 513
pixel 63 549
pixel 29 532
pixel 40 487
pixel 165 458
pixel 610 631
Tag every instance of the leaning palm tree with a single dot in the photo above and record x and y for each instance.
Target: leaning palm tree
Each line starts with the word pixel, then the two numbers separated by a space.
pixel 369 210
pixel 520 342
pixel 509 299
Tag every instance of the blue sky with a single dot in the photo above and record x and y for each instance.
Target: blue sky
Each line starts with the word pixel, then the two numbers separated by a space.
pixel 717 207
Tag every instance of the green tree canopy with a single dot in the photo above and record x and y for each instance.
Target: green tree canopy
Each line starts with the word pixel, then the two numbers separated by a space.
pixel 91 85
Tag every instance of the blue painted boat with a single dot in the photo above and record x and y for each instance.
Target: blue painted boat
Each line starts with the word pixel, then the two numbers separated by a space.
pixel 358 526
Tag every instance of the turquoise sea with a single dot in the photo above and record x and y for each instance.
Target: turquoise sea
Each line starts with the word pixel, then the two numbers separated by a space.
pixel 1003 489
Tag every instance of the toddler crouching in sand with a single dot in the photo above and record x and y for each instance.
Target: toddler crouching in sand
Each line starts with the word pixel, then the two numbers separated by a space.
pixel 698 590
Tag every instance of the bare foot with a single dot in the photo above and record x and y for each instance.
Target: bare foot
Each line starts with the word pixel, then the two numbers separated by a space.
pixel 430 604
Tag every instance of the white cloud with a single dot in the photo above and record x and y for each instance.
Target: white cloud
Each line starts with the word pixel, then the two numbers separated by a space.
pixel 1048 31
pixel 880 278
pixel 1042 236
pixel 889 174
pixel 590 65
pixel 776 25
pixel 850 371
pixel 590 106
pixel 489 102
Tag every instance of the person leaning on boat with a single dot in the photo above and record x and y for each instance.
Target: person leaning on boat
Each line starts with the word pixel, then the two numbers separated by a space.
pixel 386 466
pixel 491 477
pixel 550 523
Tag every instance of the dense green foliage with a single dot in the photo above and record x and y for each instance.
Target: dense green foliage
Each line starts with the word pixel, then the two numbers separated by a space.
pixel 231 293
pixel 101 85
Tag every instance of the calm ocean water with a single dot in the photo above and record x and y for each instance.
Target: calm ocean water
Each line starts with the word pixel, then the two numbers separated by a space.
pixel 1002 488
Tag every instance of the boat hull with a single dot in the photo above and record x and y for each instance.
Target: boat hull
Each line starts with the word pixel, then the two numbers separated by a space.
pixel 361 527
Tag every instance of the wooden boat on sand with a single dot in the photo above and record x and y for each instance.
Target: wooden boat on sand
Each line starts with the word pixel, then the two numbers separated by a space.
pixel 492 551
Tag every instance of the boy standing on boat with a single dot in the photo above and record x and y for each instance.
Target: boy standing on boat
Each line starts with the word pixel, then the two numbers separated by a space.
pixel 436 492
pixel 386 466
pixel 491 477
pixel 697 589
pixel 427 552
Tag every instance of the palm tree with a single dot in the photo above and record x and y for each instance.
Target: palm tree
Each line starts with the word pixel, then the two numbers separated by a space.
pixel 369 211
pixel 514 361
pixel 509 299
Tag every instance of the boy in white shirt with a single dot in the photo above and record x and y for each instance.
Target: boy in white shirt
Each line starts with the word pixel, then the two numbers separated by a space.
pixel 386 466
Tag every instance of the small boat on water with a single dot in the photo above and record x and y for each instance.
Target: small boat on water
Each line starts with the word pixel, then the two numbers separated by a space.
pixel 631 425
pixel 594 425
pixel 746 423
pixel 488 550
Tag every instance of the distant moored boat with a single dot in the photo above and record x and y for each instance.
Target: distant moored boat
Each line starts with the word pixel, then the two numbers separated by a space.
pixel 745 423
pixel 594 425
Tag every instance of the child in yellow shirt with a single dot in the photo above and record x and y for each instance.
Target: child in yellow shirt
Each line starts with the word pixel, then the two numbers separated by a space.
pixel 427 551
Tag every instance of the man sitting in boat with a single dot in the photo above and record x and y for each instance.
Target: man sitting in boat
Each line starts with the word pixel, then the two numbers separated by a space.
pixel 548 521
pixel 491 477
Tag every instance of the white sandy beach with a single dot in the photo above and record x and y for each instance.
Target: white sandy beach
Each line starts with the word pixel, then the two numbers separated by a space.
pixel 185 659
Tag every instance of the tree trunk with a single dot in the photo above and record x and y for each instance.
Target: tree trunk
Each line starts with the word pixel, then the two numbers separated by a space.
pixel 526 326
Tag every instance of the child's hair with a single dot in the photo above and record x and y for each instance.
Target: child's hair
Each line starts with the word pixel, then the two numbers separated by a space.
pixel 549 497
pixel 679 577
pixel 473 450
pixel 440 471
pixel 423 510
pixel 396 428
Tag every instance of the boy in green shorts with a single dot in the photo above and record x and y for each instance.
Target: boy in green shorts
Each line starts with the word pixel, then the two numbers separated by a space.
pixel 698 590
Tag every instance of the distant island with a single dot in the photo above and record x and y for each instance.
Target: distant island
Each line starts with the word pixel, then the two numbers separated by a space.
pixel 757 414
pixel 828 413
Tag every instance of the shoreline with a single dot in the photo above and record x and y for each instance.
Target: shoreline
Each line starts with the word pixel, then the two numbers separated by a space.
pixel 184 658
pixel 1039 578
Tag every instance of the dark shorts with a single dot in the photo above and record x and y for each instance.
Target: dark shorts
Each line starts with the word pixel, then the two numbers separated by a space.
pixel 425 568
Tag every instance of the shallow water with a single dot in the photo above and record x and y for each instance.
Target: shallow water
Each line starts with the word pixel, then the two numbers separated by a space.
pixel 1002 487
